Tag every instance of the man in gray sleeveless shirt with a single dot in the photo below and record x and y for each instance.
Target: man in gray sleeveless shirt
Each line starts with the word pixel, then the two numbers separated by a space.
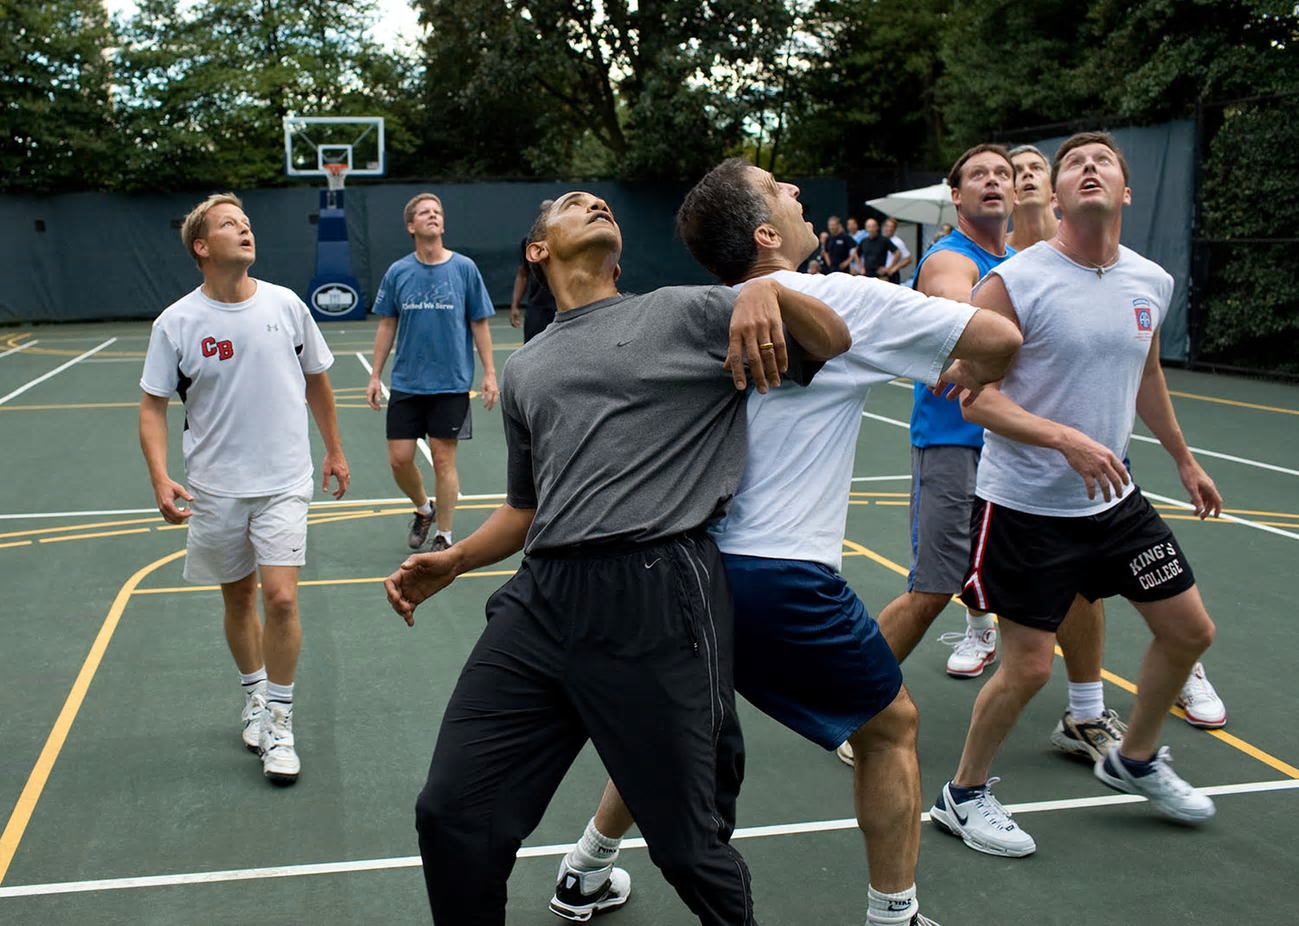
pixel 625 438
pixel 1090 311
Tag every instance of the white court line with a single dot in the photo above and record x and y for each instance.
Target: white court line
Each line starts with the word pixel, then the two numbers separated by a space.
pixel 1164 498
pixel 1225 517
pixel 55 372
pixel 20 347
pixel 881 478
pixel 1226 456
pixel 413 861
pixel 422 444
pixel 358 503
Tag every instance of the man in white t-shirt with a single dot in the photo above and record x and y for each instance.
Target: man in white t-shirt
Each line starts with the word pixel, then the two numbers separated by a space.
pixel 243 355
pixel 806 651
pixel 1090 312
pixel 900 259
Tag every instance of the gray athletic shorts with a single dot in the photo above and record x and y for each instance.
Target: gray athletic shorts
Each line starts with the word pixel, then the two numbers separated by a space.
pixel 942 496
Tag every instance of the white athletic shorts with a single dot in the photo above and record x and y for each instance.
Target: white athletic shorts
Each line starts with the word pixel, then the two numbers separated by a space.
pixel 230 537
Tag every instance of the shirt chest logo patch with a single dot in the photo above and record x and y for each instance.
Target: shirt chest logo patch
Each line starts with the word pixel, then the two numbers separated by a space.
pixel 222 350
pixel 1145 317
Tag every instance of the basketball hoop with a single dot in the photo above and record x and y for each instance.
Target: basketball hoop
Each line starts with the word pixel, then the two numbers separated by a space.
pixel 334 175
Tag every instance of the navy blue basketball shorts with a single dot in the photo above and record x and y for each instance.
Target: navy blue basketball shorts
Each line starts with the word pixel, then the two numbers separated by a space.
pixel 806 652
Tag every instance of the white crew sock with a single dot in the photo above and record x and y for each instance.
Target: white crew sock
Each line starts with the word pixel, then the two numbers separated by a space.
pixel 249 679
pixel 445 535
pixel 426 509
pixel 978 621
pixel 1086 700
pixel 594 850
pixel 891 909
pixel 281 693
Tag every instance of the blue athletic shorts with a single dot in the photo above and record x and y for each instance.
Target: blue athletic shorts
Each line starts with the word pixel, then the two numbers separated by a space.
pixel 806 652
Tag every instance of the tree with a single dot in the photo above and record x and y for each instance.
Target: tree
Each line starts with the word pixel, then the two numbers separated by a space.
pixel 574 86
pixel 56 130
pixel 205 88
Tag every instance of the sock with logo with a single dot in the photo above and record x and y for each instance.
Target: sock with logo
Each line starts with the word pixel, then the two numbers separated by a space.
pixel 594 850
pixel 1086 700
pixel 884 909
pixel 280 693
pixel 1136 768
pixel 961 795
pixel 426 509
pixel 978 622
pixel 249 679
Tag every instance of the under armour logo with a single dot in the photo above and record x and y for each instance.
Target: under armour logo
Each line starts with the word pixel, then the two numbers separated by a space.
pixel 272 327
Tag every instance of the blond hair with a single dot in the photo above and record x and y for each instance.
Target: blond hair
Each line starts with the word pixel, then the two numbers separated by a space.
pixel 408 214
pixel 195 225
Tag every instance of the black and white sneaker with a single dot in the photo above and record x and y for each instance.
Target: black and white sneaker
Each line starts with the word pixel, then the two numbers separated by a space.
pixel 580 895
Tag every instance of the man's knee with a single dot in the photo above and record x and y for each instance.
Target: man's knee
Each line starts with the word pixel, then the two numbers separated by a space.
pixel 401 454
pixel 895 727
pixel 281 603
pixel 444 455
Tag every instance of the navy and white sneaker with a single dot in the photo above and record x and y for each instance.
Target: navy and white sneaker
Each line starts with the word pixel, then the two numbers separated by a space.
pixel 981 823
pixel 1168 794
pixel 579 895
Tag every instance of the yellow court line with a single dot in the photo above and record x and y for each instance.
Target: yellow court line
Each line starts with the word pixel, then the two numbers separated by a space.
pixel 49 408
pixel 1192 517
pixel 138 530
pixel 1234 741
pixel 1207 398
pixel 879 494
pixel 16 543
pixel 40 774
pixel 1236 511
pixel 79 527
pixel 183 589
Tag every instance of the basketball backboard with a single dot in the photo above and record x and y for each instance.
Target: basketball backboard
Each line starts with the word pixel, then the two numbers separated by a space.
pixel 312 142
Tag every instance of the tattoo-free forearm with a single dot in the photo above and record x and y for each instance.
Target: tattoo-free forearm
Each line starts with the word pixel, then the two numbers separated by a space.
pixel 320 399
pixel 153 436
pixel 384 335
pixel 816 327
pixel 483 342
pixel 501 535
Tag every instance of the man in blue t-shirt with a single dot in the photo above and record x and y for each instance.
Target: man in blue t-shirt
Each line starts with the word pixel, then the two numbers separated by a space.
pixel 434 304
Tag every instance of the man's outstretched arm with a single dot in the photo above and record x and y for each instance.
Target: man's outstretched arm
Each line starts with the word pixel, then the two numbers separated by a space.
pixel 425 574
pixel 763 310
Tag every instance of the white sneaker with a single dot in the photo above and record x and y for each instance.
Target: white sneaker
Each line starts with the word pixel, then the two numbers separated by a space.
pixel 1091 739
pixel 972 651
pixel 579 895
pixel 982 823
pixel 1169 795
pixel 253 715
pixel 1201 703
pixel 279 759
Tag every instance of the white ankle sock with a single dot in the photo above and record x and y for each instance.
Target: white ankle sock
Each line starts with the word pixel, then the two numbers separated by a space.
pixel 426 509
pixel 891 909
pixel 594 849
pixel 250 679
pixel 978 621
pixel 1086 700
pixel 281 693
pixel 445 535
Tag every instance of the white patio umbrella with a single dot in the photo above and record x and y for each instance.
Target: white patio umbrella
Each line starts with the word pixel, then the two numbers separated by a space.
pixel 928 205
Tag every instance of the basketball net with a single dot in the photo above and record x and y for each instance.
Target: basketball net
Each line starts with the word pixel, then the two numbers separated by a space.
pixel 335 175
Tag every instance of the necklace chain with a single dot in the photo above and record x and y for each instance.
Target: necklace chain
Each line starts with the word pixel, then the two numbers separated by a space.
pixel 1078 258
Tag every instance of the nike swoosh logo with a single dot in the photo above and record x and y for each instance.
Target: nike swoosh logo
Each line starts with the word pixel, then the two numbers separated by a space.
pixel 651 565
pixel 957 814
pixel 623 343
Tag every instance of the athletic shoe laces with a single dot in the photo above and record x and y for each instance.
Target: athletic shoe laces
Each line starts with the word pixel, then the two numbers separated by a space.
pixel 991 808
pixel 969 643
pixel 1198 689
pixel 1166 779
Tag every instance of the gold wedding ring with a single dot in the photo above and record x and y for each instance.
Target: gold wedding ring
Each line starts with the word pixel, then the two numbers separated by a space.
pixel 768 346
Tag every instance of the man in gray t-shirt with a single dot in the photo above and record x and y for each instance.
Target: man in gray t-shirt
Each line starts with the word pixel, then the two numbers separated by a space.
pixel 625 438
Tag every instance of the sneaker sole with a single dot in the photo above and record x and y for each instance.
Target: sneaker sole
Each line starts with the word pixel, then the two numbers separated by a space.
pixel 938 817
pixel 574 915
pixel 1168 813
pixel 972 673
pixel 280 778
pixel 1203 723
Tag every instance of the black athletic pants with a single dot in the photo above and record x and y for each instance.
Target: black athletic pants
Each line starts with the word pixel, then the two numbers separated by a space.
pixel 630 647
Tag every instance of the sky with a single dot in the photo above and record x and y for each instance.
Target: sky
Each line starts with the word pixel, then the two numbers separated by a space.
pixel 396 28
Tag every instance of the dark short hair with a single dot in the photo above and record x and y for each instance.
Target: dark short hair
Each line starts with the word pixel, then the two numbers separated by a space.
pixel 1088 138
pixel 718 217
pixel 954 175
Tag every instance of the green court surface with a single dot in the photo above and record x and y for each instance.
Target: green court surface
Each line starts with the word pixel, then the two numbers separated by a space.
pixel 127 797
